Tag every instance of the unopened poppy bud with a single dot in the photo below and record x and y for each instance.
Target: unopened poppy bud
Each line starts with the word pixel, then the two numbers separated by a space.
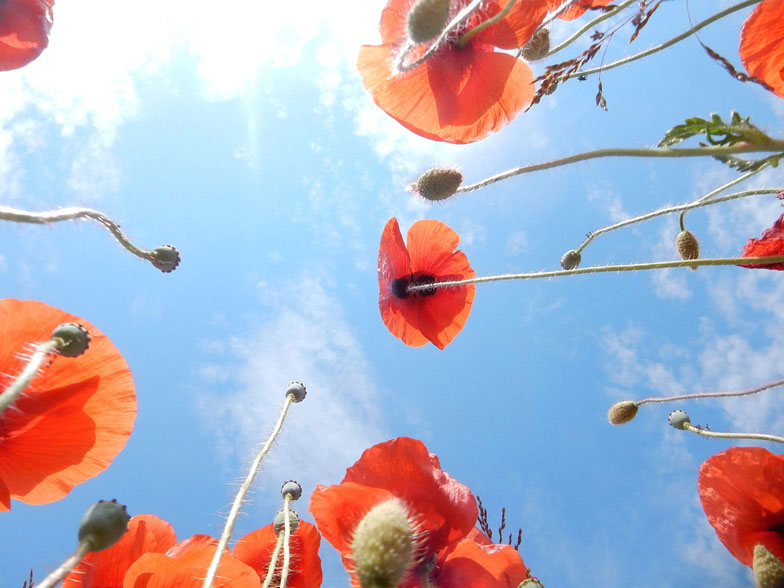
pixel 571 259
pixel 679 419
pixel 297 391
pixel 291 488
pixel 438 183
pixel 687 246
pixel 166 258
pixel 537 46
pixel 103 524
pixel 383 545
pixel 279 522
pixel 768 569
pixel 74 339
pixel 426 19
pixel 622 412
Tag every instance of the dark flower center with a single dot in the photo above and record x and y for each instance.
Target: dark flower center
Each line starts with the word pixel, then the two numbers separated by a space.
pixel 400 286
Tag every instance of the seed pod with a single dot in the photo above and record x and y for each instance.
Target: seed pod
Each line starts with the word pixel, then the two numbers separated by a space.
pixel 103 524
pixel 571 260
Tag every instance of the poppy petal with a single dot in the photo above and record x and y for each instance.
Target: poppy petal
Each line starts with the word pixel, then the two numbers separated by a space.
pixel 457 96
pixel 517 27
pixel 24 31
pixel 75 417
pixel 471 564
pixel 742 493
pixel 190 544
pixel 771 243
pixel 762 44
pixel 255 549
pixel 106 569
pixel 577 9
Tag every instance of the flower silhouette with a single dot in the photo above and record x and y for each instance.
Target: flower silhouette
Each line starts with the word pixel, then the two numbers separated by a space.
pixel 24 31
pixel 73 419
pixel 460 94
pixel 742 492
pixel 428 256
pixel 762 44
pixel 771 243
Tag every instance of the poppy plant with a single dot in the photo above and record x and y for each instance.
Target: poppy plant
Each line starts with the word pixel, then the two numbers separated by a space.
pixel 73 419
pixel 762 44
pixel 428 255
pixel 465 90
pixel 24 31
pixel 577 9
pixel 742 492
pixel 771 243
pixel 443 512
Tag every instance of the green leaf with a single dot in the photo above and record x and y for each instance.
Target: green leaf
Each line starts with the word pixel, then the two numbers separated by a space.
pixel 716 131
pixel 747 165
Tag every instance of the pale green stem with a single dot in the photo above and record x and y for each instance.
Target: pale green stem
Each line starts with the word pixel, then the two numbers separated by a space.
pixel 681 207
pixel 483 25
pixel 773 146
pixel 273 562
pixel 752 436
pixel 24 216
pixel 605 268
pixel 657 48
pixel 240 497
pixel 66 567
pixel 721 189
pixel 588 27
pixel 660 399
pixel 42 350
pixel 284 573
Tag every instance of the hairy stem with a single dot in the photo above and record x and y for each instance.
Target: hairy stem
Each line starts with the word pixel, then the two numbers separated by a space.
pixel 42 350
pixel 589 26
pixel 661 399
pixel 66 567
pixel 752 436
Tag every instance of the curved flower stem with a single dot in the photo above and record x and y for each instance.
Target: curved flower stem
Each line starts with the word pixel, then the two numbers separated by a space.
pixel 588 27
pixel 721 189
pixel 240 497
pixel 483 25
pixel 657 48
pixel 772 146
pixel 66 567
pixel 752 436
pixel 52 216
pixel 273 562
pixel 670 209
pixel 604 269
pixel 42 350
pixel 284 573
pixel 661 399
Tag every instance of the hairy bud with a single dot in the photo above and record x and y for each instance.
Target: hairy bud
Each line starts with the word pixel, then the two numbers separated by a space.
pixel 622 412
pixel 438 183
pixel 537 46
pixel 687 246
pixel 768 569
pixel 426 19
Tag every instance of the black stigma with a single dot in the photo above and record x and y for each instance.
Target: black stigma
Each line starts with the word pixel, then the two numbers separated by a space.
pixel 422 281
pixel 400 288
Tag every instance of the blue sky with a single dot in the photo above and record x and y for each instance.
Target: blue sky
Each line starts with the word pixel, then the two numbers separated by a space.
pixel 243 136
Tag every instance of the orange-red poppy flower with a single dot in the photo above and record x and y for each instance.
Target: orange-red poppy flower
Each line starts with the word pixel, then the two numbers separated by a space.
pixel 762 44
pixel 577 9
pixel 742 492
pixel 73 419
pixel 460 94
pixel 476 562
pixel 771 243
pixel 255 549
pixel 428 256
pixel 24 31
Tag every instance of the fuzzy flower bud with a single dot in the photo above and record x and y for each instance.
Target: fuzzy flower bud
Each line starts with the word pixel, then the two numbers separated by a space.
pixel 438 183
pixel 571 260
pixel 768 570
pixel 622 412
pixel 426 19
pixel 75 339
pixel 687 246
pixel 679 419
pixel 537 46
pixel 383 545
pixel 103 524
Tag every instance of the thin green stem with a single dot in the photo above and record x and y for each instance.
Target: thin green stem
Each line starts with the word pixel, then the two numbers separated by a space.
pixel 483 25
pixel 773 146
pixel 721 189
pixel 284 572
pixel 718 435
pixel 42 350
pixel 670 209
pixel 242 492
pixel 757 390
pixel 273 562
pixel 673 41
pixel 588 27
pixel 604 269
pixel 66 567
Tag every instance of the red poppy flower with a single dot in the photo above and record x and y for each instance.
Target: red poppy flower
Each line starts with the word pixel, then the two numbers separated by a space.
pixel 476 562
pixel 762 44
pixel 255 549
pixel 577 9
pixel 772 243
pixel 460 94
pixel 742 492
pixel 73 419
pixel 428 256
pixel 24 31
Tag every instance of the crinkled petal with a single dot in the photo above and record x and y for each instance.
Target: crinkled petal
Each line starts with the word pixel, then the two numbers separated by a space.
pixel 517 27
pixel 771 243
pixel 577 9
pixel 24 31
pixel 471 564
pixel 762 44
pixel 457 96
pixel 189 544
